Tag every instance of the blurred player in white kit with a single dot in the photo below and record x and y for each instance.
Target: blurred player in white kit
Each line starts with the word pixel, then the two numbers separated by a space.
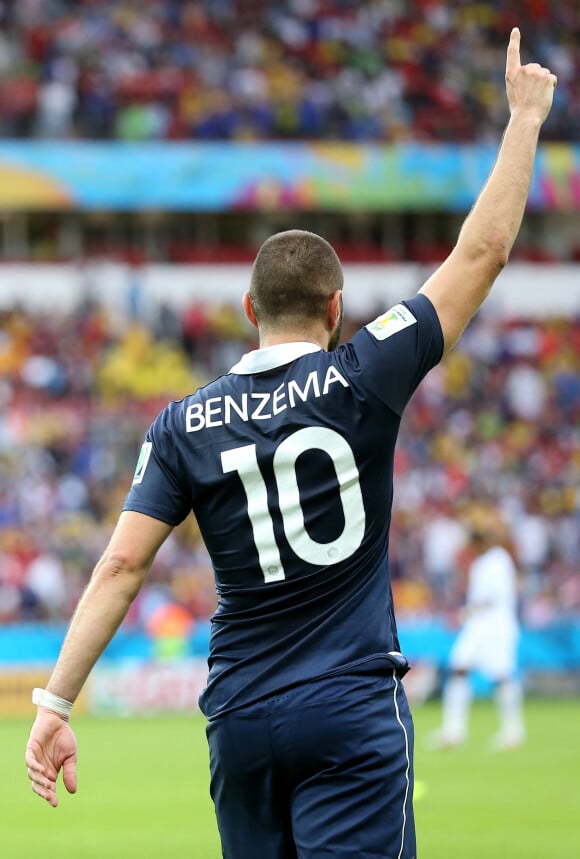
pixel 487 642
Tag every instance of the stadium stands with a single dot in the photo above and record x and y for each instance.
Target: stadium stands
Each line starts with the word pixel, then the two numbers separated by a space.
pixel 496 423
pixel 290 69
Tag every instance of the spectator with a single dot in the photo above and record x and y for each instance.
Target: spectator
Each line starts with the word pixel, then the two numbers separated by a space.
pixel 45 578
pixel 57 465
pixel 444 536
pixel 289 70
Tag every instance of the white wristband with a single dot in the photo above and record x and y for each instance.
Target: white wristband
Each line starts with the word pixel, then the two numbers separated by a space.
pixel 44 698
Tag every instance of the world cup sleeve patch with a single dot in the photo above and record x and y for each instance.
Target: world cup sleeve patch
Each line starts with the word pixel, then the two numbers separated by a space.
pixel 142 462
pixel 394 320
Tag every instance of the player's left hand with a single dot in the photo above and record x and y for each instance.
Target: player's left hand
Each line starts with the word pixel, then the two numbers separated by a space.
pixel 530 88
pixel 52 746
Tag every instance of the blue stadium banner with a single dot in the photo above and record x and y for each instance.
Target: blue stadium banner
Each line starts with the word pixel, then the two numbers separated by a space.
pixel 208 177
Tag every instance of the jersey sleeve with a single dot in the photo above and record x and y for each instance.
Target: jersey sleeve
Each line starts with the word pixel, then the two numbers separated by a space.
pixel 157 490
pixel 397 350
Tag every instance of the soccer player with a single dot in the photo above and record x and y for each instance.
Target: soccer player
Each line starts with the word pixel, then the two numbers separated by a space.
pixel 287 463
pixel 487 641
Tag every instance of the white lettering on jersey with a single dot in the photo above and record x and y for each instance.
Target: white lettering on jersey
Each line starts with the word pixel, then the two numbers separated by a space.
pixel 332 376
pixel 263 401
pixel 240 409
pixel 278 396
pixel 194 419
pixel 219 411
pixel 144 455
pixel 394 320
pixel 311 382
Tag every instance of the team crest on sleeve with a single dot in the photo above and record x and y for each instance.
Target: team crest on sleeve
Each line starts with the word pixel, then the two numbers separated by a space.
pixel 394 320
pixel 142 462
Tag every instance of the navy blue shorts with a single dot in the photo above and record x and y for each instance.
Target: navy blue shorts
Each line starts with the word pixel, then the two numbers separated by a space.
pixel 322 771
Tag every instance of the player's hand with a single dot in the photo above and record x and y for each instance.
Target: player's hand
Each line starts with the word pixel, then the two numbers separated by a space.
pixel 530 88
pixel 52 746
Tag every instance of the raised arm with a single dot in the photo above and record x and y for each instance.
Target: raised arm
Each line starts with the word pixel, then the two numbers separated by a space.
pixel 463 281
pixel 115 583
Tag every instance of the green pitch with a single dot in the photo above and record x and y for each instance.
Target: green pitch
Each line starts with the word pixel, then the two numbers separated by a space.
pixel 143 791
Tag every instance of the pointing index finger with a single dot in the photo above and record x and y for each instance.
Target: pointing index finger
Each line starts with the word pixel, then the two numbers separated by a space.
pixel 513 53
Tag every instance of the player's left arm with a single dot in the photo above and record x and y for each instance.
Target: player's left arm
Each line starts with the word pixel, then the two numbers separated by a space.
pixel 115 582
pixel 485 241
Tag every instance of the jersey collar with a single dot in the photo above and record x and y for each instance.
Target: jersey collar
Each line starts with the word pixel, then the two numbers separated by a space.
pixel 271 357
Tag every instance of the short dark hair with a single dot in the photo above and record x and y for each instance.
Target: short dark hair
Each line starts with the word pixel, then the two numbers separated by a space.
pixel 294 274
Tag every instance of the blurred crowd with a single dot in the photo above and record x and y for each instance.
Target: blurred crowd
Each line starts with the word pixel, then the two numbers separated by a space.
pixel 381 70
pixel 495 426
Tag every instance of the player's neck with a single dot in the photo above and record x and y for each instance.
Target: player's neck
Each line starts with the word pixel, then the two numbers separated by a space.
pixel 276 338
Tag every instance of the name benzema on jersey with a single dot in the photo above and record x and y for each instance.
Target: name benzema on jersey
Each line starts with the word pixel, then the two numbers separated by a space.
pixel 219 411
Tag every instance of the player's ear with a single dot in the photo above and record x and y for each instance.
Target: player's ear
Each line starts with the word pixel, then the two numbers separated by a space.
pixel 248 309
pixel 334 309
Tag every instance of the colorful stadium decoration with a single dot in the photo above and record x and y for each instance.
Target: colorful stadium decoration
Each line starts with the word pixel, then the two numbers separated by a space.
pixel 210 177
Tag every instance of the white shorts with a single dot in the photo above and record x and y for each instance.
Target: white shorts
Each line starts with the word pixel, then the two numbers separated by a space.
pixel 487 643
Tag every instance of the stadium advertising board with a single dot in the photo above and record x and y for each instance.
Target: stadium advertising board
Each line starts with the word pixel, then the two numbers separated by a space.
pixel 16 687
pixel 132 688
pixel 211 177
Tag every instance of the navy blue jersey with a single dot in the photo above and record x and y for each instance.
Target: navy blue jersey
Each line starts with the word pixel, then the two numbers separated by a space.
pixel 287 463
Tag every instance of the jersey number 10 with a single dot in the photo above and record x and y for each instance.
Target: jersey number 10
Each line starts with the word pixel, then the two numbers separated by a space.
pixel 244 460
